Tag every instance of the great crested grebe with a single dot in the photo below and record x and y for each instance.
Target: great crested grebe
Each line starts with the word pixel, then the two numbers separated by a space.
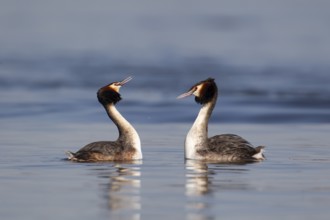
pixel 220 148
pixel 126 147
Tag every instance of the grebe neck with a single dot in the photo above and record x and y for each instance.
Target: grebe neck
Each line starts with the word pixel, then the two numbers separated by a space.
pixel 197 137
pixel 127 134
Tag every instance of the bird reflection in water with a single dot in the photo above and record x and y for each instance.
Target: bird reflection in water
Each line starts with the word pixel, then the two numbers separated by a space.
pixel 123 191
pixel 202 186
pixel 198 181
pixel 198 185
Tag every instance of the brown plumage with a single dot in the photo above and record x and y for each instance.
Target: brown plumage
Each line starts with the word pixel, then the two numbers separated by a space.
pixel 103 151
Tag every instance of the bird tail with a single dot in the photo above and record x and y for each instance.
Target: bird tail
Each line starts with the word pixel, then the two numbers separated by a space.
pixel 70 155
pixel 259 155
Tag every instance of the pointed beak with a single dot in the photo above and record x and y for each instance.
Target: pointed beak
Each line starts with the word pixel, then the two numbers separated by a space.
pixel 186 94
pixel 125 81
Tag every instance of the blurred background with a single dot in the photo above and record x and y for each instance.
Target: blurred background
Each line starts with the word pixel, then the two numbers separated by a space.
pixel 270 59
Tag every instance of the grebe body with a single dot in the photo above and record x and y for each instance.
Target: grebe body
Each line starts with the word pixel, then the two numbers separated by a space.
pixel 220 148
pixel 126 147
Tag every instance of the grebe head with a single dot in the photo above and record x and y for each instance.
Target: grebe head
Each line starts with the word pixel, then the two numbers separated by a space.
pixel 109 94
pixel 203 91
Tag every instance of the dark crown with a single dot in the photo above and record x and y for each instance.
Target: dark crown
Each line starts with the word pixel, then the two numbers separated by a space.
pixel 107 95
pixel 208 90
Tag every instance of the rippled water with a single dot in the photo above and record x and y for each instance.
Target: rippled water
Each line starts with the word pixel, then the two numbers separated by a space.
pixel 263 96
pixel 269 59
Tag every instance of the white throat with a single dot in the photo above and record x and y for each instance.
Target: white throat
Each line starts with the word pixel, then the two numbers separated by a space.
pixel 197 137
pixel 127 134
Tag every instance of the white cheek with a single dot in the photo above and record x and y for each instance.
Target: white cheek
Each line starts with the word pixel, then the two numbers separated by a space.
pixel 115 88
pixel 197 92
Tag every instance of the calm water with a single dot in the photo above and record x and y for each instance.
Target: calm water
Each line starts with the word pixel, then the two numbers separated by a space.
pixel 293 183
pixel 271 63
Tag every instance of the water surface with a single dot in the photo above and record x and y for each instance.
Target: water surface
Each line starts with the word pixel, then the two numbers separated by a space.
pixel 293 183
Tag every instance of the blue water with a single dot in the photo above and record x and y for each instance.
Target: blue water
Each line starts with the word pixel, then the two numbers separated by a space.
pixel 270 60
pixel 266 95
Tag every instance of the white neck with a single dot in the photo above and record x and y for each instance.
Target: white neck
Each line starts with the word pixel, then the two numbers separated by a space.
pixel 197 136
pixel 127 134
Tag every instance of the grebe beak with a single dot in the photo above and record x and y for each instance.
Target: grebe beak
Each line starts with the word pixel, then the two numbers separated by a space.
pixel 186 94
pixel 125 81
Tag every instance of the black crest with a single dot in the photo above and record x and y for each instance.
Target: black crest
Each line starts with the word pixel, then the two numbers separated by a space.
pixel 107 95
pixel 208 90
